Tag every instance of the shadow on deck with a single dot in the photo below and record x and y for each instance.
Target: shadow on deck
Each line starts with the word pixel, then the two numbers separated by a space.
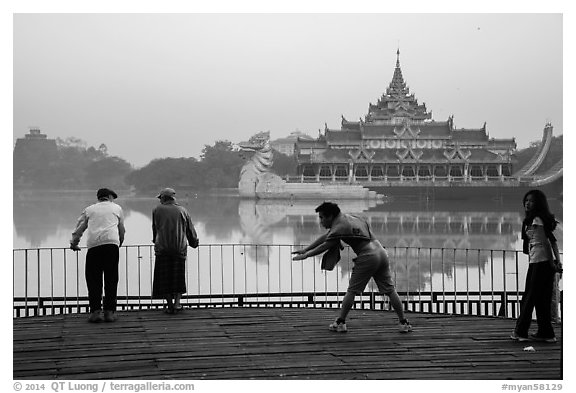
pixel 276 343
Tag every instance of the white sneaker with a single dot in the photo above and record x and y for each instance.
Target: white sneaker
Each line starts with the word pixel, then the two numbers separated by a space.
pixel 404 327
pixel 338 327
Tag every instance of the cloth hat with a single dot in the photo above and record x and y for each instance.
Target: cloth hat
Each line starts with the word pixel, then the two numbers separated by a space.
pixel 166 192
pixel 104 192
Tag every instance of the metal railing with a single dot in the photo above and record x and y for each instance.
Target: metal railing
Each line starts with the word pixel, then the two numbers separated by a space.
pixel 434 280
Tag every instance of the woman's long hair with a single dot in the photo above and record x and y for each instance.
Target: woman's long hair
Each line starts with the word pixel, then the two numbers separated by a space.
pixel 541 209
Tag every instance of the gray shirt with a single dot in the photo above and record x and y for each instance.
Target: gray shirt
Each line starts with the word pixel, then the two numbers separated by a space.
pixel 172 230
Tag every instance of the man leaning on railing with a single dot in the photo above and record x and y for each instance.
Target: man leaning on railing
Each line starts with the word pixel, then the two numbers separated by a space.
pixel 104 222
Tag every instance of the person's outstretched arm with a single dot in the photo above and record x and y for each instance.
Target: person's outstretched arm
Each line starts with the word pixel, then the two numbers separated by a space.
pixel 316 248
pixel 314 244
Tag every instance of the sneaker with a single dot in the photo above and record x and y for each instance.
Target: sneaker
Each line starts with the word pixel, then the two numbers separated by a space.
pixel 338 327
pixel 404 327
pixel 536 337
pixel 514 336
pixel 95 317
pixel 109 316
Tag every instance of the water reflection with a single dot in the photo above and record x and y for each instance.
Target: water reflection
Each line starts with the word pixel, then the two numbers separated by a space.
pixel 421 238
pixel 47 220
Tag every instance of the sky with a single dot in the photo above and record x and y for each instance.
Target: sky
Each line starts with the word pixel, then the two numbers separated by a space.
pixel 160 85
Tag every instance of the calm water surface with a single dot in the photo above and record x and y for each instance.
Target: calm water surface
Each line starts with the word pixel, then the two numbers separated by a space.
pixel 47 220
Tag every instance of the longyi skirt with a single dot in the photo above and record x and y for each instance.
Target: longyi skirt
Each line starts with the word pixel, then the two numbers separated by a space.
pixel 169 276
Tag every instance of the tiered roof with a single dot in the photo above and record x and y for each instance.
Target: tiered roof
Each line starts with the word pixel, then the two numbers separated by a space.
pixel 405 130
pixel 398 116
pixel 397 101
pixel 402 156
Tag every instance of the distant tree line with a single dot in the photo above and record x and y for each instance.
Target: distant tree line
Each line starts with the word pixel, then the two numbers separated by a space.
pixel 219 167
pixel 71 165
pixel 74 165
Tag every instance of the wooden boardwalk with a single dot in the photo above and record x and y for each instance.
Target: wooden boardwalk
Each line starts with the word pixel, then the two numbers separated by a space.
pixel 276 343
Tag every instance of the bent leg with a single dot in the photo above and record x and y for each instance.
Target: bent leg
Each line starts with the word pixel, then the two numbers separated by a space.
pixel 361 274
pixel 383 279
pixel 396 304
pixel 347 304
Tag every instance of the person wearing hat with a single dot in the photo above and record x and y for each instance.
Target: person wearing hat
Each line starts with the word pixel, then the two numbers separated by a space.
pixel 172 232
pixel 104 223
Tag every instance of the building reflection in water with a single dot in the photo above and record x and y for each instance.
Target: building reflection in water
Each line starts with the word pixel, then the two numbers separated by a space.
pixel 421 238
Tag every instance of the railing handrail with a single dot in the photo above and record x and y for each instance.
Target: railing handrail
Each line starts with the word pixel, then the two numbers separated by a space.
pixel 437 279
pixel 277 245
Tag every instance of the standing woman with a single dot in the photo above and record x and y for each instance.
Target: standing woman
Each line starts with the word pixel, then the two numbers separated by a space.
pixel 544 262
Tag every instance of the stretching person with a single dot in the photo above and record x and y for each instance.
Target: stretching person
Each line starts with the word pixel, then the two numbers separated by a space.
pixel 371 260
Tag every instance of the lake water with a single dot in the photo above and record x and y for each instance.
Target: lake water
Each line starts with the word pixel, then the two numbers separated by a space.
pixel 246 244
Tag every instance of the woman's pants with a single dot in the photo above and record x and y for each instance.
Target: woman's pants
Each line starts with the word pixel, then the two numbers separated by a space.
pixel 537 295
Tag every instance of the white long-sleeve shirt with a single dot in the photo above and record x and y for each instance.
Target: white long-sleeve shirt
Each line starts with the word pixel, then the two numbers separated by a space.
pixel 104 223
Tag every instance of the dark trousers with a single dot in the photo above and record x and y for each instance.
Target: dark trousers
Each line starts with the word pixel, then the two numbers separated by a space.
pixel 102 260
pixel 537 294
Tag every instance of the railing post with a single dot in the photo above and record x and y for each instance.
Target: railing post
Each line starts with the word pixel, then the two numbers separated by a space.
pixel 26 283
pixel 555 299
pixel 504 294
pixel 503 304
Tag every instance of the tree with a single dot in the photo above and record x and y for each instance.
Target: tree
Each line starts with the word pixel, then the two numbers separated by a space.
pixel 71 142
pixel 222 164
pixel 109 171
pixel 219 167
pixel 283 164
pixel 103 149
pixel 167 172
pixel 68 163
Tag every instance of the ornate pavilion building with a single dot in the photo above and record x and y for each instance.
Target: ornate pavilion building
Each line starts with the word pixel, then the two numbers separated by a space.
pixel 398 143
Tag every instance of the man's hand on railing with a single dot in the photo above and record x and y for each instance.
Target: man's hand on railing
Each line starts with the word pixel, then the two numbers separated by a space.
pixel 74 247
pixel 299 255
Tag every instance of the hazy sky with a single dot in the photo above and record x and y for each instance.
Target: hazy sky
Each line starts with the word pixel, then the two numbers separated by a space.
pixel 164 85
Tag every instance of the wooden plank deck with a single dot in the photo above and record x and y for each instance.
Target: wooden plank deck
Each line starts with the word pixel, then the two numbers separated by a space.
pixel 276 343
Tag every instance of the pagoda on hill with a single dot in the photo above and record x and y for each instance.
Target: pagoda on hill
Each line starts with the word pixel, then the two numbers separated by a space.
pixel 33 156
pixel 399 144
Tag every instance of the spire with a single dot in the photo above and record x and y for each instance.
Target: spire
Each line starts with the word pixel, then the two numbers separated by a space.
pixel 397 85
